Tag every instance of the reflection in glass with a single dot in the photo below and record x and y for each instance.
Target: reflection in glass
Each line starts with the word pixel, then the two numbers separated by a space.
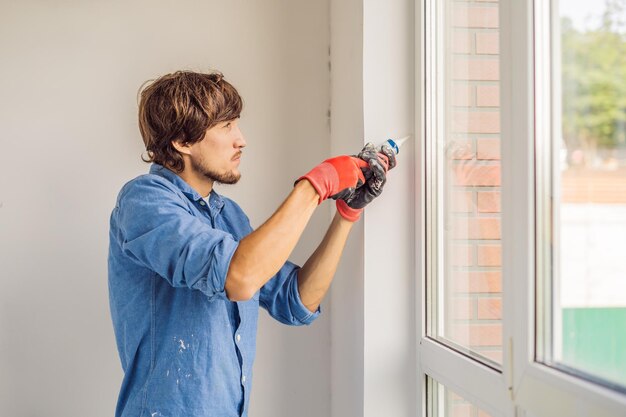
pixel 443 402
pixel 466 290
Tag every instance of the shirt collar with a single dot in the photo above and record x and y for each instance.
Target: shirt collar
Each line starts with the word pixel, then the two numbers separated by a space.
pixel 216 201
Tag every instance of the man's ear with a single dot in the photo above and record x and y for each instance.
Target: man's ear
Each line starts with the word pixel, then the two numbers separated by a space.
pixel 182 147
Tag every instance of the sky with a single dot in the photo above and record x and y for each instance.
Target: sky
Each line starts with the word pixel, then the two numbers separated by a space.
pixel 585 14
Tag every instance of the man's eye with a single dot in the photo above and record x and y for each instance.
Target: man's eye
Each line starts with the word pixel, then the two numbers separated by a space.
pixel 227 124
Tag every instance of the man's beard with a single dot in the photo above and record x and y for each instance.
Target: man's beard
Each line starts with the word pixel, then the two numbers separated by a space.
pixel 225 178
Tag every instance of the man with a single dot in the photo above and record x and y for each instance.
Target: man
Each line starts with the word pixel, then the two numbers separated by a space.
pixel 187 272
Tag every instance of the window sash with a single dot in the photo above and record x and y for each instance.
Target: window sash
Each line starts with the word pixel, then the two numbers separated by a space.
pixel 476 381
pixel 531 387
pixel 532 121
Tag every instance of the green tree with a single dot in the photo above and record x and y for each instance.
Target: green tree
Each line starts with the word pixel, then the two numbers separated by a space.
pixel 594 82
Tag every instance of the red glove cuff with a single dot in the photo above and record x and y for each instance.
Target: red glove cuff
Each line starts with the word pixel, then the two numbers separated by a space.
pixel 323 178
pixel 348 212
pixel 335 175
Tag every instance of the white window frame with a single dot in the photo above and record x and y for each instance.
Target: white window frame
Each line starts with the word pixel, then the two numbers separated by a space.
pixel 524 387
pixel 528 119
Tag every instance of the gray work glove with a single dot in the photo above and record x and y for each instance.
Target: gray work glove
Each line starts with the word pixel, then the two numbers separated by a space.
pixel 375 175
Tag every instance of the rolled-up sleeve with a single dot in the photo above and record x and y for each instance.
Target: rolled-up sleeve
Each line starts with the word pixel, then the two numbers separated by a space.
pixel 281 298
pixel 160 233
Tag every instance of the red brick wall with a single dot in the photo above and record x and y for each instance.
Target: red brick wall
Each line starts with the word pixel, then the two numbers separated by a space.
pixel 457 406
pixel 473 278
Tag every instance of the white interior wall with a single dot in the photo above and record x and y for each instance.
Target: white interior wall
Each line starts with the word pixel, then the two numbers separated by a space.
pixel 346 28
pixel 69 140
pixel 390 275
pixel 373 331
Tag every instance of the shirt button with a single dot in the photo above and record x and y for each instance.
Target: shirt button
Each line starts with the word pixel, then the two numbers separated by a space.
pixel 238 337
pixel 202 203
pixel 243 379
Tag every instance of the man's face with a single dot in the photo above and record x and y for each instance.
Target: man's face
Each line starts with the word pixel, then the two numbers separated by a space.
pixel 217 156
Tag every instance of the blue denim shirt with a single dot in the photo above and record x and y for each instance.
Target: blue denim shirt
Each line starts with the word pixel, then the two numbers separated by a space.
pixel 186 350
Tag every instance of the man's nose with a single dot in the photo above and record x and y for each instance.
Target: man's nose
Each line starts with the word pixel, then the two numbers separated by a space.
pixel 240 142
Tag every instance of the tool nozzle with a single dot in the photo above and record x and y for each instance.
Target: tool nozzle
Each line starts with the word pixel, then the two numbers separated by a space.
pixel 400 141
pixel 396 143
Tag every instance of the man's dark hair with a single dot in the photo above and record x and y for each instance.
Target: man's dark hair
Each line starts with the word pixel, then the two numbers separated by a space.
pixel 181 107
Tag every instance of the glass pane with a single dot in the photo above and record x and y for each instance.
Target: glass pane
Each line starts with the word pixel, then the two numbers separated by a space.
pixel 588 294
pixel 466 289
pixel 443 402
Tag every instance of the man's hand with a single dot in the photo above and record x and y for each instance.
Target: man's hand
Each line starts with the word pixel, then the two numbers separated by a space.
pixel 379 161
pixel 336 177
